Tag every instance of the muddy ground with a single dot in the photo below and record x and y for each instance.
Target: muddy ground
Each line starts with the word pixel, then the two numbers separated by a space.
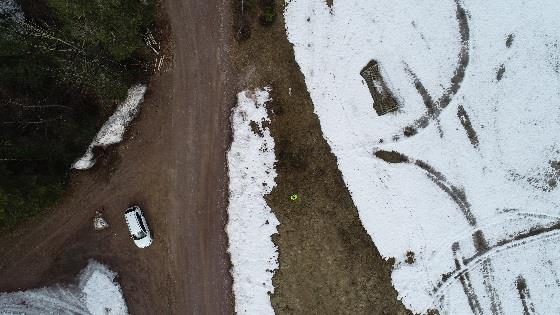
pixel 328 263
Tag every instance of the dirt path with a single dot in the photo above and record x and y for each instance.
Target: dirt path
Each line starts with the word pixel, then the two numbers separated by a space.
pixel 173 165
pixel 201 134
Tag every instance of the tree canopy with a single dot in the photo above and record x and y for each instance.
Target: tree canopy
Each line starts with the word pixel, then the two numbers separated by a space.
pixel 63 65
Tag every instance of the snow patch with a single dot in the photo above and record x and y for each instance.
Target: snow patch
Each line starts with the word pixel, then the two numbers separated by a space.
pixel 477 198
pixel 251 221
pixel 11 9
pixel 113 130
pixel 97 293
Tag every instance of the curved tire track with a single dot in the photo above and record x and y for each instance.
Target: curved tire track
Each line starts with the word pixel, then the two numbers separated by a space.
pixel 456 193
pixel 543 234
pixel 434 108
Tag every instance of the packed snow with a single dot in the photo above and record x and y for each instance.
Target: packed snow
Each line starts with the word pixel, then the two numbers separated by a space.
pixel 11 8
pixel 470 209
pixel 96 293
pixel 251 221
pixel 113 130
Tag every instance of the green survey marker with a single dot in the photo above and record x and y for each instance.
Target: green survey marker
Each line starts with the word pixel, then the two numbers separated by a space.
pixel 294 197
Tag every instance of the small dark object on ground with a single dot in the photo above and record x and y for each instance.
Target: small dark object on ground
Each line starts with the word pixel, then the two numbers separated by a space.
pixel 391 156
pixel 500 72
pixel 410 131
pixel 410 259
pixel 99 223
pixel 383 100
pixel 509 40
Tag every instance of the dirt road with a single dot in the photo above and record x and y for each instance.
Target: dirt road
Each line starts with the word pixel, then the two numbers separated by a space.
pixel 199 177
pixel 173 165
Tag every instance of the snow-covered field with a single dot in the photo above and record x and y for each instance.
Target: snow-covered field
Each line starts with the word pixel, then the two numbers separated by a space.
pixel 471 211
pixel 251 222
pixel 113 130
pixel 96 293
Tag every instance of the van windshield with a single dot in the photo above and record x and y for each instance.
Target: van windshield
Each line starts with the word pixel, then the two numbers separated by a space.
pixel 138 236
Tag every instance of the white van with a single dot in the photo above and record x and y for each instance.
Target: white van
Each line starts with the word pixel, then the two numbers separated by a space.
pixel 138 227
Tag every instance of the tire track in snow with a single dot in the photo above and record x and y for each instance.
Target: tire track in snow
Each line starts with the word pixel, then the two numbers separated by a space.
pixel 488 279
pixel 552 269
pixel 536 233
pixel 540 234
pixel 456 193
pixel 481 245
pixel 467 125
pixel 434 108
pixel 463 265
pixel 465 280
pixel 525 296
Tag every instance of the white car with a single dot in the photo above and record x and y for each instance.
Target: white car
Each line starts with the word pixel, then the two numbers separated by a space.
pixel 138 227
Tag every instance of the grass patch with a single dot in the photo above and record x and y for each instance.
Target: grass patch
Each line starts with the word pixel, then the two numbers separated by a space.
pixel 246 13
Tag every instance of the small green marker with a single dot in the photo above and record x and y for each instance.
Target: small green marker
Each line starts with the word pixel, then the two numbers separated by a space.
pixel 294 197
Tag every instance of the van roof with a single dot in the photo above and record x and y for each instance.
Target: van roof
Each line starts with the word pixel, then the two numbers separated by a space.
pixel 132 220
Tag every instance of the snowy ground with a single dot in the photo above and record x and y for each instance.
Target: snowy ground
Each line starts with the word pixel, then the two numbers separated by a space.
pixel 471 213
pixel 113 130
pixel 251 222
pixel 95 294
